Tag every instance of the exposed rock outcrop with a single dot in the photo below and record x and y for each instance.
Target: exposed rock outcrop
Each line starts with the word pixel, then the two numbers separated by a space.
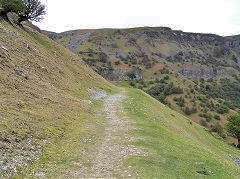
pixel 206 73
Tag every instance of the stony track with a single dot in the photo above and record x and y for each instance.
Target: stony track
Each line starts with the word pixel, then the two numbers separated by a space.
pixel 113 150
pixel 108 161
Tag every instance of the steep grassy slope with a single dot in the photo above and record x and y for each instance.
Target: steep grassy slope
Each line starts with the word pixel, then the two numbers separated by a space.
pixel 177 148
pixel 42 86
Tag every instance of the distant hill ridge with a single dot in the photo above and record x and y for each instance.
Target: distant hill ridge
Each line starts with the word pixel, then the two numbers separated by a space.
pixel 144 56
pixel 164 42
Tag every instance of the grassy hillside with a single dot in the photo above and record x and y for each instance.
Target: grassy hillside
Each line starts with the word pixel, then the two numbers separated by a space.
pixel 51 127
pixel 42 86
pixel 174 147
pixel 177 147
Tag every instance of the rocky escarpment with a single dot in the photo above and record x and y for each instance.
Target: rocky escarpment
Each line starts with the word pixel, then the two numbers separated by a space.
pixel 73 45
pixel 163 33
pixel 191 55
pixel 191 38
pixel 206 73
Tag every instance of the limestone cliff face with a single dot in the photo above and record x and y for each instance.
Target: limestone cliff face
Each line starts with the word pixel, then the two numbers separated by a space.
pixel 206 73
pixel 193 38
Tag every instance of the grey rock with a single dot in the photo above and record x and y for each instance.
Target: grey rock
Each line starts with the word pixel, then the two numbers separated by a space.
pixel 85 101
pixel 121 54
pixel 4 48
pixel 21 73
pixel 77 40
pixel 97 93
pixel 234 64
pixel 206 73
pixel 235 159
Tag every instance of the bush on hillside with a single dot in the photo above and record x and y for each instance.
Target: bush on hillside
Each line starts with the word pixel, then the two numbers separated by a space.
pixel 131 74
pixel 227 90
pixel 179 101
pixel 189 111
pixel 161 91
pixel 11 6
pixel 117 62
pixel 207 116
pixel 203 123
pixel 217 117
pixel 222 109
pixel 103 57
pixel 218 129
pixel 233 126
pixel 32 10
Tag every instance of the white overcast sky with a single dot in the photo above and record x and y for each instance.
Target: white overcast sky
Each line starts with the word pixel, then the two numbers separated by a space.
pixel 205 16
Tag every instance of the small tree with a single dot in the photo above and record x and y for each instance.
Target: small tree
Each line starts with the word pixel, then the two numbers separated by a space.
pixel 7 6
pixel 233 126
pixel 234 58
pixel 34 11
pixel 130 74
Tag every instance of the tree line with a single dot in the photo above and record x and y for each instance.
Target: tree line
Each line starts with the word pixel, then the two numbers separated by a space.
pixel 32 10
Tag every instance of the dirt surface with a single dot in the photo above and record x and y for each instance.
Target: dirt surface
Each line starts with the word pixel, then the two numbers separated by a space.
pixel 114 147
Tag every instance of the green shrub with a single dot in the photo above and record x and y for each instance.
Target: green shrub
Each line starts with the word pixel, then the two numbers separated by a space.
pixel 161 91
pixel 218 129
pixel 187 111
pixel 180 101
pixel 234 58
pixel 203 123
pixel 117 62
pixel 131 74
pixel 166 77
pixel 222 109
pixel 10 6
pixel 233 126
pixel 132 84
pixel 103 57
pixel 217 117
pixel 164 71
pixel 151 82
pixel 207 116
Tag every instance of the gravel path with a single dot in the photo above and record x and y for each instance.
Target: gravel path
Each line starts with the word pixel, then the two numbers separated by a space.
pixel 109 160
pixel 114 147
